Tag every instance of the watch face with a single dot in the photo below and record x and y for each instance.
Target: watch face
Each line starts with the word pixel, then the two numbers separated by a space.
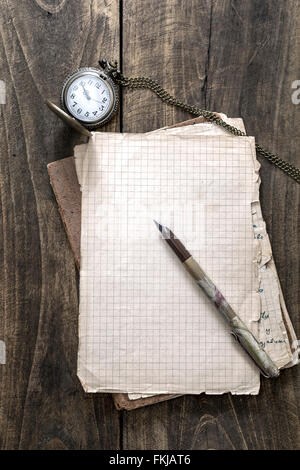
pixel 88 97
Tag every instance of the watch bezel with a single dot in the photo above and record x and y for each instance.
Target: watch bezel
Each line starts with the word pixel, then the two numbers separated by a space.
pixel 111 87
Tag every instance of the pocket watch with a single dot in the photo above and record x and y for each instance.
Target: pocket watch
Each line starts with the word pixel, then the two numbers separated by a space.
pixel 89 98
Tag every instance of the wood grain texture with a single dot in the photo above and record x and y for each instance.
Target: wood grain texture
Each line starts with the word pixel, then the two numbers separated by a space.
pixel 42 404
pixel 237 57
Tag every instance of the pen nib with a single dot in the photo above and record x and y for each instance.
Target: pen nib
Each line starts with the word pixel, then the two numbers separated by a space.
pixel 158 225
pixel 165 231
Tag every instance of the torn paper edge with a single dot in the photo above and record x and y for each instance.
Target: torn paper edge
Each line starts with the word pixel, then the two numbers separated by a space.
pixel 264 264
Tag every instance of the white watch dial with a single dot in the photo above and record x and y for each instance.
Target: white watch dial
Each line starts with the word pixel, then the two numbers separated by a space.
pixel 88 98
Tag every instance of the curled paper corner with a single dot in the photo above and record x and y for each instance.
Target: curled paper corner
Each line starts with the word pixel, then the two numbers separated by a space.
pixel 2 92
pixel 83 380
pixel 2 352
pixel 87 378
pixel 83 384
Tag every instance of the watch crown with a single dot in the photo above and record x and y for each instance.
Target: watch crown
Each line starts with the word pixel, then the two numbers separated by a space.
pixel 111 68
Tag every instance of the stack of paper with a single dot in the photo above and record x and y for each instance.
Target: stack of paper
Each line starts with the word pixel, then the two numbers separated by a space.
pixel 144 326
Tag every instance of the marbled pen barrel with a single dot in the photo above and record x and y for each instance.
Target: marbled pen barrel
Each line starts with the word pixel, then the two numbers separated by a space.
pixel 239 330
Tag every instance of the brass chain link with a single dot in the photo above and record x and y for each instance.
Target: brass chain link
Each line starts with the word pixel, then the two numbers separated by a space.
pixel 144 82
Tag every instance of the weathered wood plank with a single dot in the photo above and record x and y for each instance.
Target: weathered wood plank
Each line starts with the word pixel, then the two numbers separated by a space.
pixel 42 404
pixel 167 41
pixel 237 57
pixel 254 66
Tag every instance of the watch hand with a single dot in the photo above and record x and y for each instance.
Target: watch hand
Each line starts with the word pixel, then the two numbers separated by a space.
pixel 85 92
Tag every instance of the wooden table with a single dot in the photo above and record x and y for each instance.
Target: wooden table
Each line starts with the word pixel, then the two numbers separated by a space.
pixel 239 57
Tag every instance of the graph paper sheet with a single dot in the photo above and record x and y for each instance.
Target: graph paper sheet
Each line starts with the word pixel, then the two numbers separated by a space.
pixel 275 330
pixel 144 326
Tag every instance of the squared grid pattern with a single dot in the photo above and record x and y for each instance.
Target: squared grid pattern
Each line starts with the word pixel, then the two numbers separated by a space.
pixel 144 326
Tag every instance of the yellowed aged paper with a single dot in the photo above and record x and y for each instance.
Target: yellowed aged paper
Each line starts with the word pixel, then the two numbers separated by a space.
pixel 275 329
pixel 275 332
pixel 144 326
